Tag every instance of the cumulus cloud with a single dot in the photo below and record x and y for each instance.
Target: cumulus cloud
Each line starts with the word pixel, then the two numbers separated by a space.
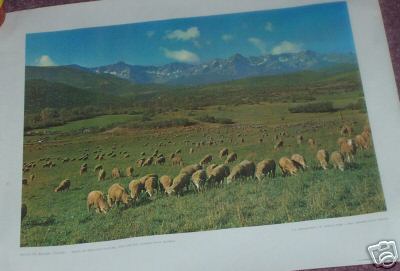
pixel 189 34
pixel 45 61
pixel 268 27
pixel 286 47
pixel 150 33
pixel 227 37
pixel 181 55
pixel 259 44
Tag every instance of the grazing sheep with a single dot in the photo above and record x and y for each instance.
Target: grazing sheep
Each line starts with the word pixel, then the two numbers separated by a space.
pixel 199 178
pixel 323 158
pixel 148 161
pixel 129 171
pixel 115 173
pixel 117 194
pixel 190 169
pixel 136 187
pixel 63 186
pixel 206 159
pixel 232 157
pixel 140 162
pixel 165 182
pixel 361 143
pixel 96 199
pixel 218 174
pixel 150 184
pixel 366 134
pixel 337 160
pixel 224 152
pixel 243 169
pixel 265 168
pixel 178 183
pixel 160 160
pixel 102 175
pixel 98 167
pixel 299 139
pixel 299 161
pixel 346 130
pixel 341 140
pixel 348 149
pixel 210 169
pixel 312 143
pixel 24 211
pixel 83 169
pixel 278 145
pixel 287 166
pixel 177 161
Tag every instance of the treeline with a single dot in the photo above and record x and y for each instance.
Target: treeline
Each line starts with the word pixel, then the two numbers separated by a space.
pixel 320 107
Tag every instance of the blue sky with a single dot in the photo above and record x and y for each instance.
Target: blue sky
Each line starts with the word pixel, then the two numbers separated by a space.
pixel 322 28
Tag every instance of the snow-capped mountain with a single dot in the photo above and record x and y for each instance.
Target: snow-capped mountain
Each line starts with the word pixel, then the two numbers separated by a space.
pixel 218 70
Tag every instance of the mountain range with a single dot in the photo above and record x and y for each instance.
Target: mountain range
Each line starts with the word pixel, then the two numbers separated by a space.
pixel 220 70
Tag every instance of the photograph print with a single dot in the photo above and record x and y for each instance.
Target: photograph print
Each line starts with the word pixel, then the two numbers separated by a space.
pixel 195 124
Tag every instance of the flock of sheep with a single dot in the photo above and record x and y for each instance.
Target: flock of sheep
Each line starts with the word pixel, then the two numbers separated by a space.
pixel 204 174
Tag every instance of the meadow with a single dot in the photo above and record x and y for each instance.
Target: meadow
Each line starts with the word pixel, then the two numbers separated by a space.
pixel 62 218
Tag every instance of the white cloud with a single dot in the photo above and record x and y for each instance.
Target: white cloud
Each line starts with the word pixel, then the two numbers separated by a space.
pixel 286 47
pixel 44 61
pixel 150 33
pixel 259 44
pixel 268 27
pixel 227 37
pixel 181 55
pixel 190 33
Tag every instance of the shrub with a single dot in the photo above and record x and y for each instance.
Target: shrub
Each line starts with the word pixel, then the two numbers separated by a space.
pixel 317 107
pixel 212 119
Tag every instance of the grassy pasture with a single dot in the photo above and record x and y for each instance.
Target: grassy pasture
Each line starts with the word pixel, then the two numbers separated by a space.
pixel 62 218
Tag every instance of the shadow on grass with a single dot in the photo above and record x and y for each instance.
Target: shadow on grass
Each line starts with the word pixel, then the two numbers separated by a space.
pixel 40 221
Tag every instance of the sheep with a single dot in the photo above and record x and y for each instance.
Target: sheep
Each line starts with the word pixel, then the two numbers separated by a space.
pixel 83 169
pixel 265 168
pixel 160 160
pixel 191 150
pixel 218 174
pixel 117 194
pixel 209 169
pixel 63 186
pixel 190 169
pixel 148 161
pixel 177 161
pixel 287 166
pixel 115 173
pixel 243 169
pixel 278 145
pixel 337 160
pixel 346 130
pixel 299 161
pixel 139 162
pixel 178 183
pixel 323 158
pixel 361 143
pixel 299 139
pixel 341 140
pixel 32 177
pixel 366 134
pixel 136 187
pixel 150 184
pixel 224 152
pixel 165 182
pixel 199 178
pixel 98 167
pixel 348 149
pixel 96 199
pixel 24 211
pixel 232 157
pixel 129 171
pixel 206 159
pixel 102 175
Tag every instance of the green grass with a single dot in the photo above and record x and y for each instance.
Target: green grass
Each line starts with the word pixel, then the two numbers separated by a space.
pixel 62 218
